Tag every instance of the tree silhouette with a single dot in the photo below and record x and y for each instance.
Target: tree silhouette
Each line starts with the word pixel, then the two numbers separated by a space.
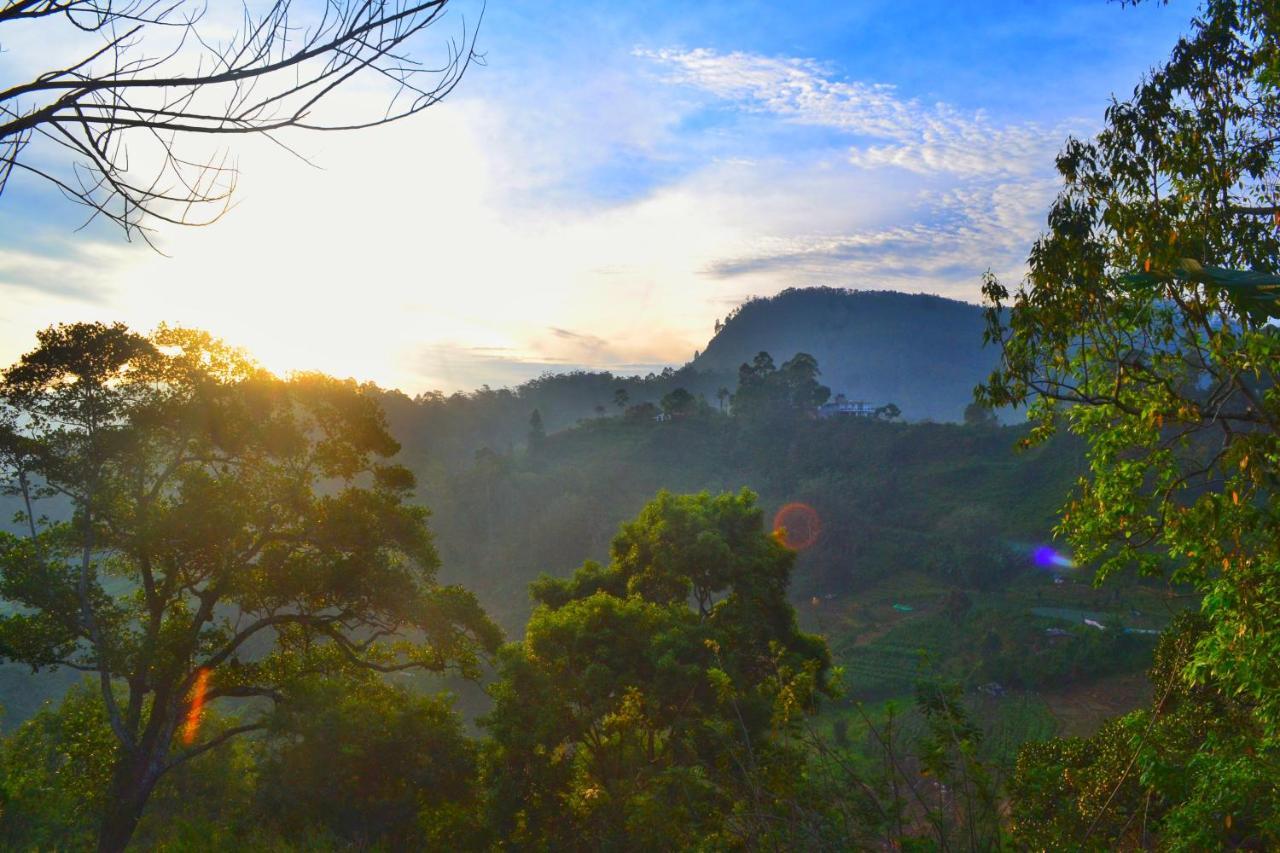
pixel 159 73
pixel 678 403
pixel 537 432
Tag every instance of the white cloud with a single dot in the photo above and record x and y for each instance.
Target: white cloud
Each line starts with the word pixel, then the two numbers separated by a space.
pixel 955 193
pixel 446 252
pixel 921 138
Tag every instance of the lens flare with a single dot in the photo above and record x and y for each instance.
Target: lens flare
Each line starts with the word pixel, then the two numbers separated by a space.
pixel 192 725
pixel 797 526
pixel 1046 557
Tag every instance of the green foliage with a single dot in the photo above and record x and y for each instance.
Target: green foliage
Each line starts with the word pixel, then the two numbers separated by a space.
pixel 678 403
pixel 893 498
pixel 54 773
pixel 647 705
pixel 346 764
pixel 230 529
pixel 949 753
pixel 1194 772
pixel 1140 327
pixel 766 393
pixel 373 765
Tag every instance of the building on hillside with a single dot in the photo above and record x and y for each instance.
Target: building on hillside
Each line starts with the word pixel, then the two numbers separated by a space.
pixel 843 407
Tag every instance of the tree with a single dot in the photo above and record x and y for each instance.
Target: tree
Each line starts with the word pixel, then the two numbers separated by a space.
pixel 404 777
pixel 978 415
pixel 537 432
pixel 648 705
pixel 1144 780
pixel 766 392
pixel 621 398
pixel 231 533
pixel 1141 326
pixel 678 403
pixel 722 395
pixel 124 111
pixel 54 772
pixel 599 410
pixel 889 411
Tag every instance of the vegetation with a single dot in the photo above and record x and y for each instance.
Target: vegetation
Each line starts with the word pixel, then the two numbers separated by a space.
pixel 648 704
pixel 921 352
pixel 237 565
pixel 674 674
pixel 231 534
pixel 943 500
pixel 1141 326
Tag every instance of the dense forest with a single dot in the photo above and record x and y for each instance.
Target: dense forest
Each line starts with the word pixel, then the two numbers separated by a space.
pixel 917 563
pixel 720 608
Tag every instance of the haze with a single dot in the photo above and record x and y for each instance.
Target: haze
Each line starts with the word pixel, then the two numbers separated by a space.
pixel 609 183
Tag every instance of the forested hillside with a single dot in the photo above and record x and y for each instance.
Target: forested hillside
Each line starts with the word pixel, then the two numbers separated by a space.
pixel 947 500
pixel 922 352
pixel 806 592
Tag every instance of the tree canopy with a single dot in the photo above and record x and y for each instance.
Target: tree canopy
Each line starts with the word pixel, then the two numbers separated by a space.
pixel 765 391
pixel 647 704
pixel 1171 376
pixel 232 533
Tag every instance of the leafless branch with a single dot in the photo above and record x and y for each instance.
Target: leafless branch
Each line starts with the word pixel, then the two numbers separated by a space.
pixel 157 77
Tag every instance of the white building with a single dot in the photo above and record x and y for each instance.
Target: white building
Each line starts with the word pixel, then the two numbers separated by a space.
pixel 842 407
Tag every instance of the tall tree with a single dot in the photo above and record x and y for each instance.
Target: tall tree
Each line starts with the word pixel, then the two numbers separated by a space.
pixel 648 705
pixel 152 75
pixel 678 403
pixel 537 432
pixel 766 392
pixel 232 533
pixel 1143 324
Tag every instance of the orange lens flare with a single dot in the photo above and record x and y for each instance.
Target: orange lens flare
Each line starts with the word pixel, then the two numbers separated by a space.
pixel 192 725
pixel 797 526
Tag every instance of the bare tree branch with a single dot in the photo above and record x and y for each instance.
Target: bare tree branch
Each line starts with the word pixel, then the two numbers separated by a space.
pixel 158 78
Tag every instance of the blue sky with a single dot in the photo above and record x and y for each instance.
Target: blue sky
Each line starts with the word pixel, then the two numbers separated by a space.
pixel 614 178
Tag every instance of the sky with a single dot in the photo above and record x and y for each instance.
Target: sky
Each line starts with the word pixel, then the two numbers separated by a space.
pixel 611 180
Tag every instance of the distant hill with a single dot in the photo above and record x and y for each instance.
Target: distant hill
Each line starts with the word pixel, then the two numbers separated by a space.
pixel 922 352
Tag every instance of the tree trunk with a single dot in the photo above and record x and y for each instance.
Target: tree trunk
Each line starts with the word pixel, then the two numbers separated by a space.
pixel 130 789
pixel 118 825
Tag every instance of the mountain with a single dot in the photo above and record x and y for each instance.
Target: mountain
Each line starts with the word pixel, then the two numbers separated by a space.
pixel 922 352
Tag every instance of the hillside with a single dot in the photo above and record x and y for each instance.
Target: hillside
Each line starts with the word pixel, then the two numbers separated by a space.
pixel 952 502
pixel 922 352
